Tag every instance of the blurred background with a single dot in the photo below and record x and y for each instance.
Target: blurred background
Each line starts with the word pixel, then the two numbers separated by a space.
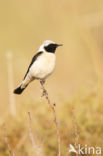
pixel 76 83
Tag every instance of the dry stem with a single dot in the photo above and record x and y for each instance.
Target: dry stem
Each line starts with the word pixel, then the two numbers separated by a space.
pixel 75 131
pixel 52 106
pixel 21 142
pixel 7 142
pixel 11 84
pixel 37 149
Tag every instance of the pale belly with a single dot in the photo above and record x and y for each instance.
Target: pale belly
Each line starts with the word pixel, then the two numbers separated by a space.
pixel 43 66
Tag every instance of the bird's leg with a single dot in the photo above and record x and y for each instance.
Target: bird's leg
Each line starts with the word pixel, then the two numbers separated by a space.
pixel 42 82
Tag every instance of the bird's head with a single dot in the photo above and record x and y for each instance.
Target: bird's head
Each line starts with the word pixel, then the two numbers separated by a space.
pixel 49 46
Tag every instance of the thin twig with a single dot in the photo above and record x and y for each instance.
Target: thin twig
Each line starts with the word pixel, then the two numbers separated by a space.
pixel 43 141
pixel 7 142
pixel 52 106
pixel 75 131
pixel 21 142
pixel 37 149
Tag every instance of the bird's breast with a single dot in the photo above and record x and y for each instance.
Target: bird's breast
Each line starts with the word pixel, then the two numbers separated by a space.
pixel 44 65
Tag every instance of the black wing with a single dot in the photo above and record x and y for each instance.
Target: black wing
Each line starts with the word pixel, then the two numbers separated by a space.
pixel 33 60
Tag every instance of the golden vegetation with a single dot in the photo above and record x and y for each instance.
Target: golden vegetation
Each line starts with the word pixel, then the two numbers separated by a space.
pixel 77 82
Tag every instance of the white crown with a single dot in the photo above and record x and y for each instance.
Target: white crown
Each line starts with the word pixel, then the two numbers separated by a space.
pixel 45 43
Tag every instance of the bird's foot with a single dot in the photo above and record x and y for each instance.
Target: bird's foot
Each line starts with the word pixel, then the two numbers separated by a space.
pixel 42 82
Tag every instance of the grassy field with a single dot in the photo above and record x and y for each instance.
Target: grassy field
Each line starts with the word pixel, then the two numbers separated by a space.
pixel 76 84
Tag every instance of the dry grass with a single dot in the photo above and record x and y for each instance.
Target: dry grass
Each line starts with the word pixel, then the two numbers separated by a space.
pixel 37 148
pixel 7 142
pixel 77 82
pixel 75 131
pixel 41 125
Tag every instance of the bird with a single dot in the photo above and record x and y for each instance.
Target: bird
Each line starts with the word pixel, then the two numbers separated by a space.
pixel 42 65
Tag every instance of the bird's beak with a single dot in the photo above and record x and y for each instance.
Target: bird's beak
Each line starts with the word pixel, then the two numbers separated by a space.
pixel 59 45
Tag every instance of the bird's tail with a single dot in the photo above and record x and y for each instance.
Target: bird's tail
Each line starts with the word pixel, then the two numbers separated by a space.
pixel 23 85
pixel 19 90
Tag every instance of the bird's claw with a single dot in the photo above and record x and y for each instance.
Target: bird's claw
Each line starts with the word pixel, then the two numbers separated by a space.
pixel 42 82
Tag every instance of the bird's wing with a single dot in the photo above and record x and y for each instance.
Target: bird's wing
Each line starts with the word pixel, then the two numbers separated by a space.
pixel 33 60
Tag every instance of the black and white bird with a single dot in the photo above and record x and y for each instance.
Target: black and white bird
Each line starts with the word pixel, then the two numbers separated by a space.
pixel 41 66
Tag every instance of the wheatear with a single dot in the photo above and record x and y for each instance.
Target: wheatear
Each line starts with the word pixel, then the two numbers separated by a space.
pixel 41 66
